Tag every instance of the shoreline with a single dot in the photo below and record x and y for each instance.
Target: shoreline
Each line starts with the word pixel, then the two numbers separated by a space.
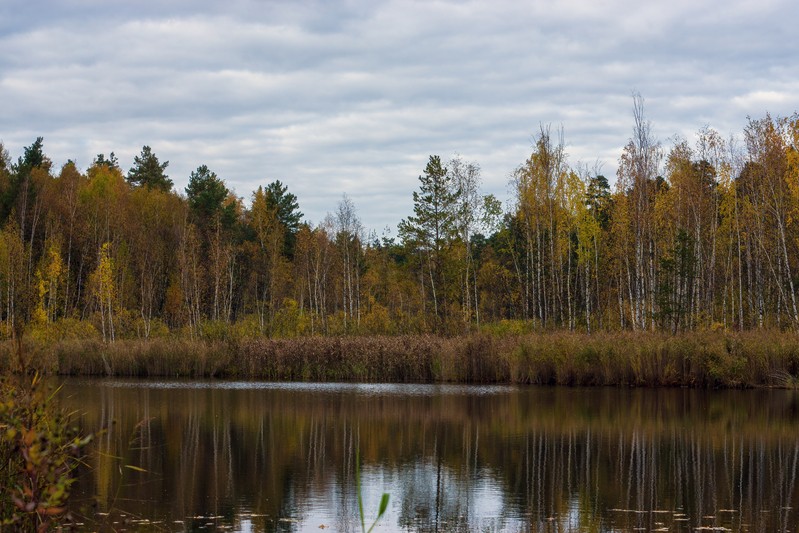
pixel 710 359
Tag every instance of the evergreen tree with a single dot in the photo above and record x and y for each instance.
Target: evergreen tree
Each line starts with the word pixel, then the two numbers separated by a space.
pixel 6 182
pixel 207 195
pixel 33 157
pixel 599 200
pixel 147 171
pixel 435 209
pixel 433 227
pixel 15 178
pixel 111 162
pixel 285 205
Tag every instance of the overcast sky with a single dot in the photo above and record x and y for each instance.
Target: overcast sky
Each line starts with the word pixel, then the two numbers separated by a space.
pixel 352 97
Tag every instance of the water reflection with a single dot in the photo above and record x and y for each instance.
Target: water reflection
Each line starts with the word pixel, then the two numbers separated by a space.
pixel 280 457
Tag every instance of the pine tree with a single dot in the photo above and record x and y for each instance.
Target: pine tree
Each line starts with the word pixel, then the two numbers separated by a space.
pixel 285 205
pixel 207 195
pixel 148 171
pixel 433 228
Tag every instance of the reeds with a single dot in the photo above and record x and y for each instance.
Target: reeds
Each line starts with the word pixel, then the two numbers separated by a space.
pixel 700 359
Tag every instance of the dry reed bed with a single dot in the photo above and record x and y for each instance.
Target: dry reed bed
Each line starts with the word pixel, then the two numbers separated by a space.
pixel 702 359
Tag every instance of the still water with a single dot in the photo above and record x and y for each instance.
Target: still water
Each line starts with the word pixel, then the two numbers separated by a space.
pixel 243 456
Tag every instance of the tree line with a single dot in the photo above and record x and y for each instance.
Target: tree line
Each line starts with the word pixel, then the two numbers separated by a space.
pixel 700 235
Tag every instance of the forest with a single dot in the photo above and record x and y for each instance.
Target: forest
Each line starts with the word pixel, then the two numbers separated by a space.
pixel 696 236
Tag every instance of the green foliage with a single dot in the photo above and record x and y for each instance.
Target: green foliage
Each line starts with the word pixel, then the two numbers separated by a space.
pixel 598 200
pixel 113 163
pixel 700 242
pixel 432 230
pixel 33 157
pixel 677 275
pixel 5 160
pixel 146 170
pixel 434 207
pixel 39 453
pixel 17 190
pixel 207 195
pixel 284 204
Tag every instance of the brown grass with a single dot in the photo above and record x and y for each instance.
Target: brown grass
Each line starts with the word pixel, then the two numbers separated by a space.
pixel 702 359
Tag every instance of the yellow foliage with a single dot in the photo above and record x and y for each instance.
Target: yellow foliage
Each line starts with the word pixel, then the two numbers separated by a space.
pixel 102 279
pixel 290 321
pixel 377 320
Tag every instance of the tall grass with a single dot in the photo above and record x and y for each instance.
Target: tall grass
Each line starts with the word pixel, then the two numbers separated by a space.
pixel 701 359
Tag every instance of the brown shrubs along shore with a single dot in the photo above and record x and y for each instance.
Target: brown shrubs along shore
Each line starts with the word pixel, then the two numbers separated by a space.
pixel 701 359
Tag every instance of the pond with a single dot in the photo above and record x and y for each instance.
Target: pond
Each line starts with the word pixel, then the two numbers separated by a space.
pixel 249 456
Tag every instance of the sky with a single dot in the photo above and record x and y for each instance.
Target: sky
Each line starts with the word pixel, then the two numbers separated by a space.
pixel 352 97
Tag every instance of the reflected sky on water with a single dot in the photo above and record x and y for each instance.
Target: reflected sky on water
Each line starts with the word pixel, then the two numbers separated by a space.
pixel 244 456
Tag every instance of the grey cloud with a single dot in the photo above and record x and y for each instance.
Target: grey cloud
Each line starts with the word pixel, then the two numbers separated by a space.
pixel 334 97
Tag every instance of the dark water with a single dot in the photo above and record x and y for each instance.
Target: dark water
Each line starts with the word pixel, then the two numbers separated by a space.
pixel 235 456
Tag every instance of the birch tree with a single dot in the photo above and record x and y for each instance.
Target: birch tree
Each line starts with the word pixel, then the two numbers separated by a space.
pixel 469 214
pixel 349 234
pixel 104 292
pixel 638 168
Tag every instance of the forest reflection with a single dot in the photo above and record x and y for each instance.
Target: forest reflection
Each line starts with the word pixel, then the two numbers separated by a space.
pixel 276 457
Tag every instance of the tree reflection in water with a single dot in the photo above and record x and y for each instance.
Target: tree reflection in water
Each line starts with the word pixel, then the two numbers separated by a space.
pixel 271 457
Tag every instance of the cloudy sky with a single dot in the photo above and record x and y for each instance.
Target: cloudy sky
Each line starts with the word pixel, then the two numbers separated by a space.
pixel 353 96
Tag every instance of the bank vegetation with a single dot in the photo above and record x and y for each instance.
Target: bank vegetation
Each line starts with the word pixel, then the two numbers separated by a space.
pixel 697 359
pixel 694 248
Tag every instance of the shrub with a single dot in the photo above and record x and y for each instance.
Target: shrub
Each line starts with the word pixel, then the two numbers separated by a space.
pixel 40 452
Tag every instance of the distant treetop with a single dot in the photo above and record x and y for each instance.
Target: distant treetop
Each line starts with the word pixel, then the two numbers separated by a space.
pixel 111 162
pixel 148 171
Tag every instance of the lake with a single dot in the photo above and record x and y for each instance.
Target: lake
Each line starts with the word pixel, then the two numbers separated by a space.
pixel 250 456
